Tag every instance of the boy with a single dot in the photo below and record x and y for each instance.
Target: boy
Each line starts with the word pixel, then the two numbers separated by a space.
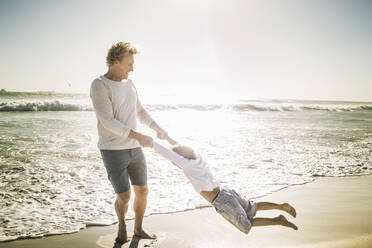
pixel 228 203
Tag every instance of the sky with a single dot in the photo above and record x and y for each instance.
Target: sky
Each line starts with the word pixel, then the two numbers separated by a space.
pixel 193 49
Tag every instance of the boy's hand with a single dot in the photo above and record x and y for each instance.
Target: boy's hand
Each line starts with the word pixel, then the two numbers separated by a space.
pixel 162 134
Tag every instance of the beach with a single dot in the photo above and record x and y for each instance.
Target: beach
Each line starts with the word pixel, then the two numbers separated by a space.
pixel 331 212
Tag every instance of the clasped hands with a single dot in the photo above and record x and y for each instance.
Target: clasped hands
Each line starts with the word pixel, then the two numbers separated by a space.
pixel 146 141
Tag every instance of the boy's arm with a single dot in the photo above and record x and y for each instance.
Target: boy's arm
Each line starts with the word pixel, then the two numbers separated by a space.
pixel 171 141
pixel 170 155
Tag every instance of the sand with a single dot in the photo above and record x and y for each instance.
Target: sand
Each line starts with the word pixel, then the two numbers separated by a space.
pixel 331 212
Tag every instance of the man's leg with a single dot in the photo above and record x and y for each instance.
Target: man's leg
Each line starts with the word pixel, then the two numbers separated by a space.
pixel 121 208
pixel 280 220
pixel 116 163
pixel 139 206
pixel 137 171
pixel 270 205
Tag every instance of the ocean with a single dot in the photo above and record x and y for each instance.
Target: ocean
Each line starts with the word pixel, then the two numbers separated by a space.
pixel 53 180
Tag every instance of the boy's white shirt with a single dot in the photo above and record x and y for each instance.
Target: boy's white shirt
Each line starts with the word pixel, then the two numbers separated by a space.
pixel 196 170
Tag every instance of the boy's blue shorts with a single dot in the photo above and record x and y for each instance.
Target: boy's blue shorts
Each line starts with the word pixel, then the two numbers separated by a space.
pixel 235 209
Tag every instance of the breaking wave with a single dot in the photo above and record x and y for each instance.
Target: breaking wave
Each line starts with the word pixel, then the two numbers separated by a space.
pixel 295 107
pixel 43 106
pixel 58 105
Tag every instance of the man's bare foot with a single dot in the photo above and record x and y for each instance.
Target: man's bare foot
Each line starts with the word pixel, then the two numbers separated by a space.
pixel 143 235
pixel 289 209
pixel 122 234
pixel 281 220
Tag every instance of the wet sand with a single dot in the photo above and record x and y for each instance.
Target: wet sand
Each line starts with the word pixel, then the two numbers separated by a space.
pixel 331 212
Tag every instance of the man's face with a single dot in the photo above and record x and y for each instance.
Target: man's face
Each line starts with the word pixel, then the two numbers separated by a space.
pixel 125 66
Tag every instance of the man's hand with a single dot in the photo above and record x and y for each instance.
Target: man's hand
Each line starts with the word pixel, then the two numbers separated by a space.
pixel 160 133
pixel 144 140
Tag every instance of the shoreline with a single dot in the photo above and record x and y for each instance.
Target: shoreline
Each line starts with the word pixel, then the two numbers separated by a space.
pixel 331 212
pixel 89 225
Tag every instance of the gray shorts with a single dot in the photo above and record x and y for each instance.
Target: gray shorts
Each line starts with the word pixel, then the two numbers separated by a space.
pixel 235 209
pixel 122 165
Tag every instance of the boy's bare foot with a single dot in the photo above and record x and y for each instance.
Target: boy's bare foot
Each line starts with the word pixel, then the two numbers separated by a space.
pixel 289 209
pixel 122 234
pixel 143 235
pixel 281 220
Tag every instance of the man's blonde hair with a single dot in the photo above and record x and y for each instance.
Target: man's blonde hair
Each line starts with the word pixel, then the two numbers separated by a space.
pixel 184 151
pixel 118 50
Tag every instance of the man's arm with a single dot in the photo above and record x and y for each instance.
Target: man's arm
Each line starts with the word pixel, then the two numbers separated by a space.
pixel 161 133
pixel 146 119
pixel 144 140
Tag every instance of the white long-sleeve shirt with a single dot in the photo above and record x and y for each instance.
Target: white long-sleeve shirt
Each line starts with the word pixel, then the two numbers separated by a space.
pixel 196 170
pixel 116 105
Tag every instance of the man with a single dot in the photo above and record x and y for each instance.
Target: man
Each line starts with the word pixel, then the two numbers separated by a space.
pixel 116 104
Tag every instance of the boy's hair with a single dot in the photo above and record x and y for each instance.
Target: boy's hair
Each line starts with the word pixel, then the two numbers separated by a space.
pixel 118 50
pixel 184 151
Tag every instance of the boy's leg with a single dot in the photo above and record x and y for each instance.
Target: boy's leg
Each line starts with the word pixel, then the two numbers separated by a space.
pixel 250 207
pixel 270 205
pixel 228 206
pixel 280 220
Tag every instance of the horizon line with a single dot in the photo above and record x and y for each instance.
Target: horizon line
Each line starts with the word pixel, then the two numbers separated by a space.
pixel 237 98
